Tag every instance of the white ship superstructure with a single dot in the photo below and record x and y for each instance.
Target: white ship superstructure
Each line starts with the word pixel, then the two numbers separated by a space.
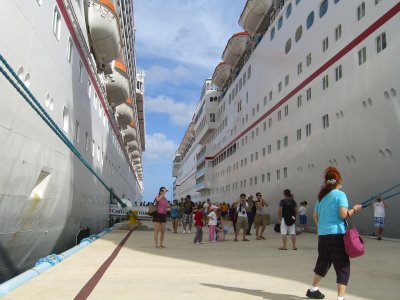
pixel 78 59
pixel 308 84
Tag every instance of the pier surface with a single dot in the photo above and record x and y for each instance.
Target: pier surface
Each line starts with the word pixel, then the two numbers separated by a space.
pixel 106 269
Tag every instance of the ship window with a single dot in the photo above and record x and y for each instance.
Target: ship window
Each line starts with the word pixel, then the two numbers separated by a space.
pixel 258 107
pixel 325 82
pixel 285 172
pixel 56 23
pixel 278 174
pixel 77 131
pixel 298 133
pixel 244 78
pixel 86 141
pixel 80 71
pixel 299 33
pixel 310 20
pixel 308 129
pixel 253 112
pixel 279 115
pixel 381 42
pixel 325 44
pixel 288 10
pixel 265 100
pixel 251 157
pixel 268 176
pixel 323 8
pixel 240 84
pixel 377 2
pixel 285 141
pixel 270 122
pixel 299 68
pixel 248 72
pixel 280 86
pixel 338 72
pixel 269 149
pixel 362 56
pixel 93 148
pixel 286 110
pixel 65 120
pixel 263 152
pixel 263 178
pixel 299 100
pixel 98 153
pixel 338 32
pixel 286 80
pixel 265 126
pixel 308 59
pixel 325 121
pixel 272 33
pixel 280 22
pixel 69 50
pixel 89 89
pixel 361 11
pixel 270 95
pixel 308 94
pixel 288 46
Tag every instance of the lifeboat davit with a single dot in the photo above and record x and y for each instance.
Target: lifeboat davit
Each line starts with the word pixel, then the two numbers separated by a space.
pixel 221 74
pixel 124 114
pixel 129 134
pixel 103 28
pixel 254 15
pixel 235 48
pixel 117 84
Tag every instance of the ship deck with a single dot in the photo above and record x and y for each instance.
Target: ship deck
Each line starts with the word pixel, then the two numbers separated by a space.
pixel 224 270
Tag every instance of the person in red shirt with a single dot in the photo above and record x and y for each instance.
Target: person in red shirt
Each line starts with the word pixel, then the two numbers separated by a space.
pixel 198 222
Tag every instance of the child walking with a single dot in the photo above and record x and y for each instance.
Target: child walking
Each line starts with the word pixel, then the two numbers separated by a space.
pixel 221 231
pixel 212 223
pixel 198 222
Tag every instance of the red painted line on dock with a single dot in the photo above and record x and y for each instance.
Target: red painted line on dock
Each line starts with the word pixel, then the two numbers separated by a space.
pixel 85 292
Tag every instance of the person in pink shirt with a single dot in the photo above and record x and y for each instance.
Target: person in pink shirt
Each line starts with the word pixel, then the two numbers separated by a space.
pixel 160 218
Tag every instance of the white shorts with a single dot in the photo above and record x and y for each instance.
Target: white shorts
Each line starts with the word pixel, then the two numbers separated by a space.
pixel 287 229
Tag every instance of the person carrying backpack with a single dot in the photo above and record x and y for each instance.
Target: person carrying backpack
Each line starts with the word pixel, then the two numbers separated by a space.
pixel 287 213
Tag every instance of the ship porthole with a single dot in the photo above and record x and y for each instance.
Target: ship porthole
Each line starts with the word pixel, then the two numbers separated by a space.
pixel 386 94
pixel 299 33
pixel 27 80
pixel 288 46
pixel 393 92
pixel 20 73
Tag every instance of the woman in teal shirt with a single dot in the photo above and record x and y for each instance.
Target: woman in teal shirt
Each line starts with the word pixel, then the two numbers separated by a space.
pixel 330 211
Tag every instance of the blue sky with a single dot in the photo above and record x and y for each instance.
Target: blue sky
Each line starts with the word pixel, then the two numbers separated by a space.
pixel 178 44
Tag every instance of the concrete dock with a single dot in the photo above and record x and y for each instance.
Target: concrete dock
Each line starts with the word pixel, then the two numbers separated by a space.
pixel 106 269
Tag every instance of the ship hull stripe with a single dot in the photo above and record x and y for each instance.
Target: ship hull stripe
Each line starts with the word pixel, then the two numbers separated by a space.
pixel 85 292
pixel 360 38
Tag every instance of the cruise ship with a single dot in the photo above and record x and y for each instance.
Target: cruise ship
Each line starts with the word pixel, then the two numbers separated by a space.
pixel 72 124
pixel 306 85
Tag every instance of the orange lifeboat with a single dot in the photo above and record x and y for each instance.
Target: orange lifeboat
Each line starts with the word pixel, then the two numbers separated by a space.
pixel 117 85
pixel 235 48
pixel 255 14
pixel 103 29
pixel 221 74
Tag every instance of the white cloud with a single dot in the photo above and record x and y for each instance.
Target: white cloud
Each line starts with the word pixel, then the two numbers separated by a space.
pixel 179 113
pixel 158 147
pixel 191 32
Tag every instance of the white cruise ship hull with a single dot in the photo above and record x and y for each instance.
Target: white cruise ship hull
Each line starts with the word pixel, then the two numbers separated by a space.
pixel 46 194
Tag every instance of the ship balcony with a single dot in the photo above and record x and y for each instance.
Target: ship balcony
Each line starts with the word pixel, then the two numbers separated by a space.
pixel 206 126
pixel 124 115
pixel 202 185
pixel 200 173
pixel 255 15
pixel 221 74
pixel 117 85
pixel 235 48
pixel 103 29
pixel 204 152
pixel 129 134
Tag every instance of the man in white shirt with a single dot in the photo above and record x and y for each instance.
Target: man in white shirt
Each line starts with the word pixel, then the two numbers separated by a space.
pixel 242 222
pixel 379 216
